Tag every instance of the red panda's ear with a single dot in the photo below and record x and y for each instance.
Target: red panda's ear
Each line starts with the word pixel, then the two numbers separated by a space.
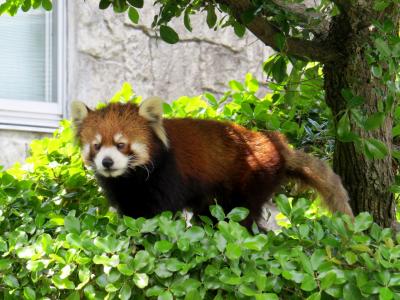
pixel 79 111
pixel 152 110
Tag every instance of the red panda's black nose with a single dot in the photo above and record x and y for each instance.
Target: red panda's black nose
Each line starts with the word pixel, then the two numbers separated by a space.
pixel 107 162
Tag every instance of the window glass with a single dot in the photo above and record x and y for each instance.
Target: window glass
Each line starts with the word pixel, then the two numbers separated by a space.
pixel 26 57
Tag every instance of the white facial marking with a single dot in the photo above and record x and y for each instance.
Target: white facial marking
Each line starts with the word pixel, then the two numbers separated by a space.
pixel 141 154
pixel 97 139
pixel 120 162
pixel 119 138
pixel 85 152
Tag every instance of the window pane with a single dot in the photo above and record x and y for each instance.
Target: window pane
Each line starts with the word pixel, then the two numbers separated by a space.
pixel 25 57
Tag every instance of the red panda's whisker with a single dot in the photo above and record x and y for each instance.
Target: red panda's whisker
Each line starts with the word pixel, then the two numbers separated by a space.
pixel 147 170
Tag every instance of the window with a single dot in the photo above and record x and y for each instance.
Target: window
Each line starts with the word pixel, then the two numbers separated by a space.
pixel 32 68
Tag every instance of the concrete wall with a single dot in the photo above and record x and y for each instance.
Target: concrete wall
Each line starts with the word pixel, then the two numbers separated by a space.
pixel 105 50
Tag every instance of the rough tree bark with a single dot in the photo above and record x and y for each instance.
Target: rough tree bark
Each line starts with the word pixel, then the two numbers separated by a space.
pixel 342 52
pixel 367 181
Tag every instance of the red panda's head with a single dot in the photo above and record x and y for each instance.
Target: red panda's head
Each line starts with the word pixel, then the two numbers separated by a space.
pixel 118 137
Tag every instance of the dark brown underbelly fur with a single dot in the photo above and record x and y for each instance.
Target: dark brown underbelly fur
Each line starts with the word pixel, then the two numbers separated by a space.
pixel 137 194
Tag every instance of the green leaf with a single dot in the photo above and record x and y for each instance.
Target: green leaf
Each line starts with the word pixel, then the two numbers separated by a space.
pixel 166 295
pixel 351 292
pixel 120 6
pixel 104 4
pixel 376 71
pixel 112 261
pixel 396 130
pixel 382 47
pixel 328 280
pixel 125 292
pixel 193 295
pixel 308 284
pixel 306 263
pixel 283 205
pixel 375 148
pixel 136 3
pixel 280 41
pixel 62 283
pixel 47 5
pixel 211 16
pixel 141 280
pixel 385 293
pixel 186 20
pixel 278 70
pixel 29 293
pixel 374 121
pixel 163 246
pixel 73 296
pixel 142 259
pixel 126 269
pixel 154 291
pixel 217 212
pixel 380 5
pixel 238 214
pixel 350 257
pixel 317 258
pixel 72 224
pixel 233 251
pixel 236 86
pixel 239 29
pixel 246 290
pixel 26 6
pixel 133 15
pixel 257 242
pixel 343 126
pixel 355 101
pixel 194 234
pixel 11 281
pixel 267 296
pixel 168 34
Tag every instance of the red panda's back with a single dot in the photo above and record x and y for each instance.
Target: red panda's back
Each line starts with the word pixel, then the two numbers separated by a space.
pixel 222 152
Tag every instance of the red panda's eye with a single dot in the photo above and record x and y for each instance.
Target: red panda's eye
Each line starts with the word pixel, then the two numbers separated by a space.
pixel 120 146
pixel 96 147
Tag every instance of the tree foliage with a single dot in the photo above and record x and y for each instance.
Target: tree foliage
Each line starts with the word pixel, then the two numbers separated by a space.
pixel 58 240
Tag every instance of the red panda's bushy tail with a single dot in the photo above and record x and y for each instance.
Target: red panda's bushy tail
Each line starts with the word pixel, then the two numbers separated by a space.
pixel 317 174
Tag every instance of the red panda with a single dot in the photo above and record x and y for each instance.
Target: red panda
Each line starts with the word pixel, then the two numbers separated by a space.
pixel 146 164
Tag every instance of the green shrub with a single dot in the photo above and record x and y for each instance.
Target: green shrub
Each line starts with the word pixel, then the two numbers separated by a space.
pixel 58 240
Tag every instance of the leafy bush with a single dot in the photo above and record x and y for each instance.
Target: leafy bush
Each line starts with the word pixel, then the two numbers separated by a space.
pixel 58 240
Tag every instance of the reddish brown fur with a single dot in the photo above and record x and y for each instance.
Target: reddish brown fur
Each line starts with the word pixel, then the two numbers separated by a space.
pixel 214 151
pixel 248 166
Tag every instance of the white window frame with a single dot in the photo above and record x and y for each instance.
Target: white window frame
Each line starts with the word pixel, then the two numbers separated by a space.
pixel 37 116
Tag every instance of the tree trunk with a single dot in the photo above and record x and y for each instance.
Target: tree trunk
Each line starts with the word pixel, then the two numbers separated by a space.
pixel 367 181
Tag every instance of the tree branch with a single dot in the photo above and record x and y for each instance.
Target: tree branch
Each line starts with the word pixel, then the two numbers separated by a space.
pixel 267 33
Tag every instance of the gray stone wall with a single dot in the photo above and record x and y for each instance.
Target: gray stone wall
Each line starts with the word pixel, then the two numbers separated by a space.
pixel 15 145
pixel 104 50
pixel 107 49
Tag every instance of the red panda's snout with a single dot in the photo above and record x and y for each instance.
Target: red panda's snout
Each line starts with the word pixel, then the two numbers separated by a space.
pixel 116 158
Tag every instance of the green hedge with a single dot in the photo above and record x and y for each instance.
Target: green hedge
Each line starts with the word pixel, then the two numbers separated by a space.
pixel 58 240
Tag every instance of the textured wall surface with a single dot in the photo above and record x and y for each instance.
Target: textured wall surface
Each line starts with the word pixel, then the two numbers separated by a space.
pixel 108 49
pixel 105 50
pixel 15 145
